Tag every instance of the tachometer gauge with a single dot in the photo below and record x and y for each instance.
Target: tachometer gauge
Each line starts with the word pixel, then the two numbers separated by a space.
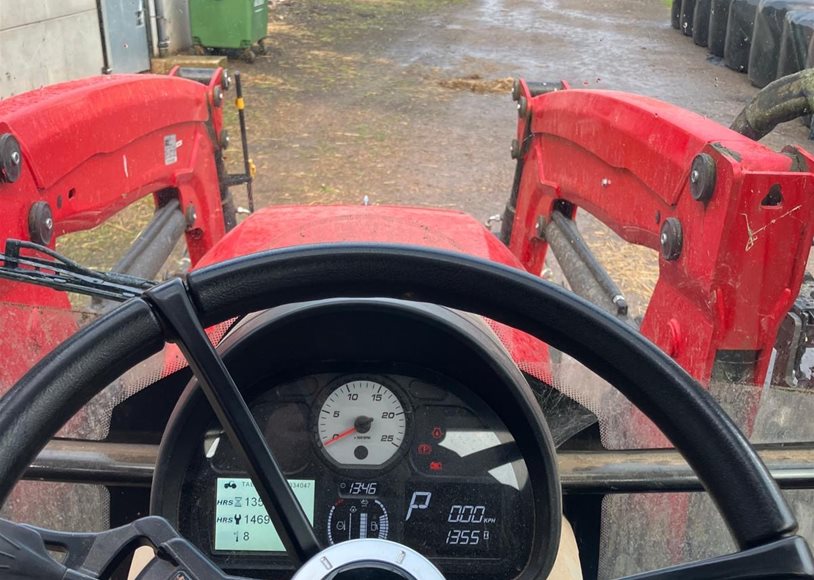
pixel 361 424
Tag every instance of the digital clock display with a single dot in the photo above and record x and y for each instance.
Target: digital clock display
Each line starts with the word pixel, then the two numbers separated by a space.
pixel 454 520
pixel 241 521
pixel 358 488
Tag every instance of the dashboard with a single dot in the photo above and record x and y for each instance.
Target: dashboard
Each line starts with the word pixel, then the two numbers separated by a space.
pixel 369 408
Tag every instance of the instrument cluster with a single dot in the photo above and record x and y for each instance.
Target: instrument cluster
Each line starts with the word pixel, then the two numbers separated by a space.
pixel 389 419
pixel 391 456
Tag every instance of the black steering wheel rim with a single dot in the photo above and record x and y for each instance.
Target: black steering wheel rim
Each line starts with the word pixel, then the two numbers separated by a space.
pixel 741 486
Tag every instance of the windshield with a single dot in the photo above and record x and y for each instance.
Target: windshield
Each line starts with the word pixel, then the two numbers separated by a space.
pixel 693 235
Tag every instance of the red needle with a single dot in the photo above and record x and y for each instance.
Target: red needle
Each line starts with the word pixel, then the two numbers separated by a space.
pixel 342 435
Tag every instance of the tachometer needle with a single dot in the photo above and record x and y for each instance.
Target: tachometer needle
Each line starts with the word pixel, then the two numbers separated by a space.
pixel 342 435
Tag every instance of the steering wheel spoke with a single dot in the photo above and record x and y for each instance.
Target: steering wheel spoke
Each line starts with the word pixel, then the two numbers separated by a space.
pixel 785 558
pixel 177 313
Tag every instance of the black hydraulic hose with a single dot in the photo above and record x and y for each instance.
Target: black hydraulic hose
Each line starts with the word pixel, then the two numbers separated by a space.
pixel 783 100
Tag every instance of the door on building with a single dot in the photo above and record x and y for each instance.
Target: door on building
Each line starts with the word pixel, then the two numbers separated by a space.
pixel 124 23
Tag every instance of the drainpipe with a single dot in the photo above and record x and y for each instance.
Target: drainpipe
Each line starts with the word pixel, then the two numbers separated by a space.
pixel 161 29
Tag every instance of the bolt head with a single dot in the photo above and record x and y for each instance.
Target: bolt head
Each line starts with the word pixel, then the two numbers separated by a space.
pixel 671 239
pixel 515 149
pixel 40 223
pixel 191 215
pixel 516 90
pixel 523 108
pixel 11 159
pixel 702 177
pixel 539 227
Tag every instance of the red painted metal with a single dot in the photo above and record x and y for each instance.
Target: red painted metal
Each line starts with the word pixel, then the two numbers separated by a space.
pixel 626 159
pixel 293 225
pixel 285 226
pixel 90 148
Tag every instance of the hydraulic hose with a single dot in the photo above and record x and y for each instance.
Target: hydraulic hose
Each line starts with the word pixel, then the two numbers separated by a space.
pixel 783 100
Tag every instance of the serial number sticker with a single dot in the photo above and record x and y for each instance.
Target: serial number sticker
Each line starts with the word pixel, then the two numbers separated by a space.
pixel 170 149
pixel 241 521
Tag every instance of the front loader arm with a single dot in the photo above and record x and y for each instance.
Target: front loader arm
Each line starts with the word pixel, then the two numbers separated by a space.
pixel 74 154
pixel 731 220
pixel 91 147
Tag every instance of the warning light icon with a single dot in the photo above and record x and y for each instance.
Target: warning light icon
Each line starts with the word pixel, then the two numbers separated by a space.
pixel 436 466
pixel 437 432
pixel 424 449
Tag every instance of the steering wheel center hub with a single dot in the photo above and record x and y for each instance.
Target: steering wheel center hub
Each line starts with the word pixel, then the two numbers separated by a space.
pixel 368 558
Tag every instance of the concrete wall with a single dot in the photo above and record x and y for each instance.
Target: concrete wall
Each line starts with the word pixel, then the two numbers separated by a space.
pixel 47 41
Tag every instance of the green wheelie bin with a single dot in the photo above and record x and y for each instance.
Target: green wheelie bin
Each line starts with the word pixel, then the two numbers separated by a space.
pixel 230 25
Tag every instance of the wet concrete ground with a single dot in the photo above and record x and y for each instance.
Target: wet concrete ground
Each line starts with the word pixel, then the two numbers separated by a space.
pixel 353 98
pixel 348 103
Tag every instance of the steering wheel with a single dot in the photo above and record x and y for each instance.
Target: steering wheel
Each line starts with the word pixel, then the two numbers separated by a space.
pixel 749 500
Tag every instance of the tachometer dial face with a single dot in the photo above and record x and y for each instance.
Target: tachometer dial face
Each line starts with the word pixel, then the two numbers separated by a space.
pixel 361 424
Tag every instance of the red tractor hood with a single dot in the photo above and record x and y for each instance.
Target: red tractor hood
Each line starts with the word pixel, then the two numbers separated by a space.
pixel 287 226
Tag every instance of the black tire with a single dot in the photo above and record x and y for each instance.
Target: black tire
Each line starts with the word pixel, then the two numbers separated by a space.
pixel 700 22
pixel 718 18
pixel 687 16
pixel 795 42
pixel 766 39
pixel 741 23
pixel 675 15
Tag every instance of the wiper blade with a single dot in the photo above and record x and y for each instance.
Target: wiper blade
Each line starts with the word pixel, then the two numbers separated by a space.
pixel 61 273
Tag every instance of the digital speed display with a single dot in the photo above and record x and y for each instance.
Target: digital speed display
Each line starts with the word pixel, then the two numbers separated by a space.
pixel 241 521
pixel 455 520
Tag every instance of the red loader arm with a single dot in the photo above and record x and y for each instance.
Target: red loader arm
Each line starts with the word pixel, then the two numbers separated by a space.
pixel 74 154
pixel 731 220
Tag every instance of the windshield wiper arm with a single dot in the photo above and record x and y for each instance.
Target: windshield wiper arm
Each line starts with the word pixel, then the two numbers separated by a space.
pixel 61 273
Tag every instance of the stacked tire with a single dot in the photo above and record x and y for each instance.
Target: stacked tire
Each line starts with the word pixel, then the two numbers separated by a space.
pixel 766 39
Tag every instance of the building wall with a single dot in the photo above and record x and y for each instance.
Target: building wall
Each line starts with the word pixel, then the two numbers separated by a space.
pixel 47 41
pixel 43 42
